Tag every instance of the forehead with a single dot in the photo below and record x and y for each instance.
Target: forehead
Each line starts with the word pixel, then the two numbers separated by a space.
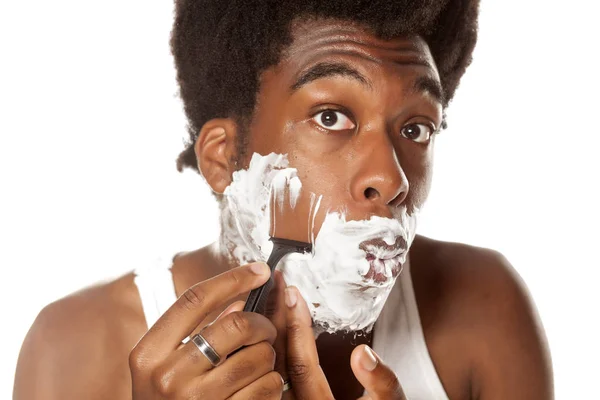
pixel 316 39
pixel 327 48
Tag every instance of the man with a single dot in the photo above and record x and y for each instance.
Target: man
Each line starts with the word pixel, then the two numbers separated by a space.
pixel 344 98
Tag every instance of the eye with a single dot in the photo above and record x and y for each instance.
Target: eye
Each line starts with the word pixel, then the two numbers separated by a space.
pixel 333 120
pixel 419 133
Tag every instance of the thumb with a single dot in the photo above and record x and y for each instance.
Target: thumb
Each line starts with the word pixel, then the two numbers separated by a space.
pixel 378 379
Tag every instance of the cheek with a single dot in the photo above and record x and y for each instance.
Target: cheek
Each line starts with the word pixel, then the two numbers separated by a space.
pixel 323 188
pixel 418 168
pixel 264 139
pixel 295 222
pixel 319 195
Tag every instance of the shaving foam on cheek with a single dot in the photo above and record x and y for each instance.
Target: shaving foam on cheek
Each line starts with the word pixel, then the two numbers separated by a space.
pixel 354 264
pixel 245 209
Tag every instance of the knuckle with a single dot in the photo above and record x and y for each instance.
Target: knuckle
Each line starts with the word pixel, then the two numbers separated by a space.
pixel 266 353
pixel 237 323
pixel 162 381
pixel 275 382
pixel 194 297
pixel 137 361
pixel 298 370
pixel 235 277
pixel 271 387
pixel 294 329
pixel 241 369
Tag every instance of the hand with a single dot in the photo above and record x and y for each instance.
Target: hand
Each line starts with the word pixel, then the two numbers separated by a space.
pixel 380 382
pixel 296 345
pixel 164 368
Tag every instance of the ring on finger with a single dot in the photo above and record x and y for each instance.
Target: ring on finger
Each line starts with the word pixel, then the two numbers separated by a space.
pixel 206 349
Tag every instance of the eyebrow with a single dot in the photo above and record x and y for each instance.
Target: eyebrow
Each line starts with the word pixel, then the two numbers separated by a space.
pixel 427 84
pixel 328 70
pixel 423 84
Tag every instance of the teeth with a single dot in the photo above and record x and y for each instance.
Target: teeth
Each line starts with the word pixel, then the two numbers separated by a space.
pixel 383 254
pixel 379 266
pixel 383 268
pixel 388 266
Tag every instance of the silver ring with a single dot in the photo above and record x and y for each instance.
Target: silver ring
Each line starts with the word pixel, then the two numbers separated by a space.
pixel 287 385
pixel 205 348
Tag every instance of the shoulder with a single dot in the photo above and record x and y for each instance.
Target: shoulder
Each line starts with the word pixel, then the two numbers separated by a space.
pixel 81 341
pixel 475 283
pixel 465 272
pixel 477 299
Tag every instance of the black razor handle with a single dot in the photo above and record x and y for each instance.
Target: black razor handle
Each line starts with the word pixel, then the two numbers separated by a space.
pixel 257 299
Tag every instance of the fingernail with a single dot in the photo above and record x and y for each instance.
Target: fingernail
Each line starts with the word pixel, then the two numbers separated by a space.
pixel 259 268
pixel 290 297
pixel 368 360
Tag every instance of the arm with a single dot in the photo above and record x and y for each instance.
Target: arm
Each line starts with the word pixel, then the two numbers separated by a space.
pixel 81 347
pixel 54 354
pixel 512 357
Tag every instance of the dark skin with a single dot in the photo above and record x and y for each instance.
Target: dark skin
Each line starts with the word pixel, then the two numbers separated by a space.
pixel 481 330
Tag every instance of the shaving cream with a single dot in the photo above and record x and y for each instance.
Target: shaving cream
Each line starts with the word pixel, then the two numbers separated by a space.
pixel 246 206
pixel 354 264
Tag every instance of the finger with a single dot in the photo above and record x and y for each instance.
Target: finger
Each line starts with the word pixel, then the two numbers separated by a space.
pixel 276 312
pixel 225 335
pixel 230 309
pixel 268 387
pixel 233 307
pixel 305 373
pixel 237 372
pixel 197 302
pixel 378 379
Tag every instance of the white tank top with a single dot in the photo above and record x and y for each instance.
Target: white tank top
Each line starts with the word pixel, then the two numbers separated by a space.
pixel 398 337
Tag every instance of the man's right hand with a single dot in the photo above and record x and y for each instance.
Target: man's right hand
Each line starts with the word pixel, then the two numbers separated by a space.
pixel 164 368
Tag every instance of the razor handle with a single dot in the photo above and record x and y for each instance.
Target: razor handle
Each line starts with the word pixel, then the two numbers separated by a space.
pixel 257 299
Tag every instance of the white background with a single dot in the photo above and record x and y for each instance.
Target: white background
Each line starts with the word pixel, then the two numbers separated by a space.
pixel 90 126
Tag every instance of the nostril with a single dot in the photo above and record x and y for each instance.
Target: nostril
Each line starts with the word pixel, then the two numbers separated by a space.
pixel 371 193
pixel 398 199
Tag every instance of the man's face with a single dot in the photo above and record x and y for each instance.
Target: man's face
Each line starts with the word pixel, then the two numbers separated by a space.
pixel 355 115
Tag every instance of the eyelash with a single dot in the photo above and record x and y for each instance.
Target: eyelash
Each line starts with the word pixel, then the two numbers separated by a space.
pixel 431 128
pixel 348 115
pixel 345 113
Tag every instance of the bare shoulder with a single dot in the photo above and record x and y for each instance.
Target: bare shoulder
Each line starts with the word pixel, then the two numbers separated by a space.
pixel 457 267
pixel 78 346
pixel 475 308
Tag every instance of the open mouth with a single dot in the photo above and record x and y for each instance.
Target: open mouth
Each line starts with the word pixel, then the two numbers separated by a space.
pixel 382 270
pixel 384 259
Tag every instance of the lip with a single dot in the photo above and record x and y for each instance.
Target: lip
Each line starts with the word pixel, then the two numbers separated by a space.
pixel 380 249
pixel 384 259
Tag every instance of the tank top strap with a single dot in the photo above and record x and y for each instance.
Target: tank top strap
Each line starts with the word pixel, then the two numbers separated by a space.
pixel 398 338
pixel 156 287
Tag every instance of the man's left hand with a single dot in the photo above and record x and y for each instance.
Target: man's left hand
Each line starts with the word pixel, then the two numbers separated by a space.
pixel 298 360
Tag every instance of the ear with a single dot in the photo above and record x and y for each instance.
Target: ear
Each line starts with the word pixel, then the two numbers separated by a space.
pixel 215 148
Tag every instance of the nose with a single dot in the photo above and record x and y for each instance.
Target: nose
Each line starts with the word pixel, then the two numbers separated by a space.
pixel 380 181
